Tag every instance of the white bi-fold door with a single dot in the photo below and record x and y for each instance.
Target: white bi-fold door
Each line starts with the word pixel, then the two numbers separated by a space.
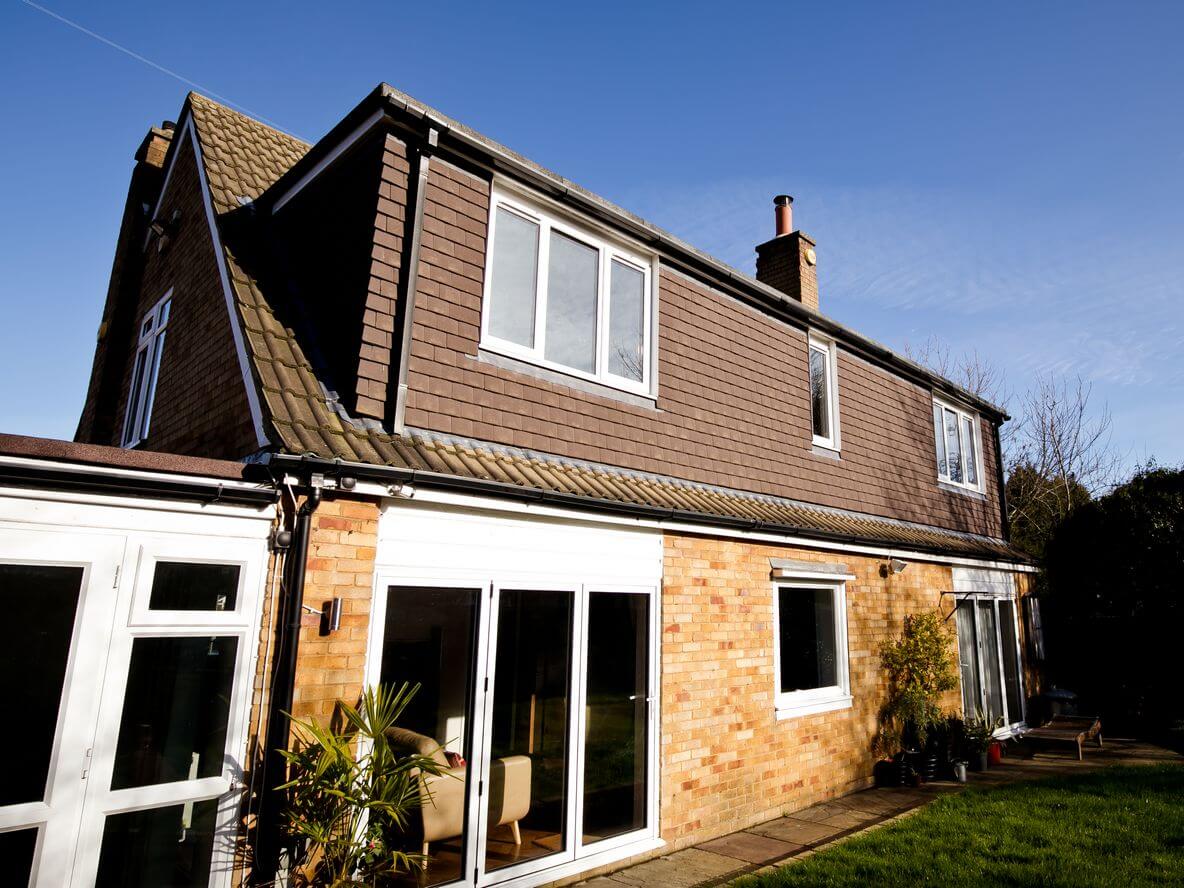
pixel 129 684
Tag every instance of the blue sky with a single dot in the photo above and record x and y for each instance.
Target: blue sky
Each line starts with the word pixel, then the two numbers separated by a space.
pixel 1007 177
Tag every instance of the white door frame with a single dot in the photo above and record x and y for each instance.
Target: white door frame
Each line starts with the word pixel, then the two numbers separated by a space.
pixel 1010 723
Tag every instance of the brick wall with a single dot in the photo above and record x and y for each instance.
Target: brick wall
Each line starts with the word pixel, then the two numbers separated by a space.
pixel 733 406
pixel 727 762
pixel 200 406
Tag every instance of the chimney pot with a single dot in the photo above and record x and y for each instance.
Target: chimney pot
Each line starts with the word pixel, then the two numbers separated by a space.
pixel 783 205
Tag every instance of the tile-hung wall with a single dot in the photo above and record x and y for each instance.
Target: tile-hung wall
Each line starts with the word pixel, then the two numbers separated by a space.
pixel 132 675
pixel 535 642
pixel 732 408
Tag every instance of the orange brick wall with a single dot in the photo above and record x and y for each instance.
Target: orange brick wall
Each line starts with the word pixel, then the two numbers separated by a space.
pixel 727 762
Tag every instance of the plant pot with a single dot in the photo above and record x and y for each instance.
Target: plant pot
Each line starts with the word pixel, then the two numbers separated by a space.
pixel 978 761
pixel 995 753
pixel 893 773
pixel 960 772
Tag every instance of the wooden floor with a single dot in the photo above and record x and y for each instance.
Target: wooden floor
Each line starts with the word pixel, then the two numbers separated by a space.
pixel 777 842
pixel 446 856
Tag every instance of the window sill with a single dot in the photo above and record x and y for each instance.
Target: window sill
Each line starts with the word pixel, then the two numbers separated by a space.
pixel 826 451
pixel 487 356
pixel 813 707
pixel 965 491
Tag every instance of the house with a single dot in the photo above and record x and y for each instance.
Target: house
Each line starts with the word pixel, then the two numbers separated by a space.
pixel 637 522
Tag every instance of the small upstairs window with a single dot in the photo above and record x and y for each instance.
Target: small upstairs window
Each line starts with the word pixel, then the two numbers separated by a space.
pixel 565 297
pixel 824 393
pixel 959 450
pixel 145 370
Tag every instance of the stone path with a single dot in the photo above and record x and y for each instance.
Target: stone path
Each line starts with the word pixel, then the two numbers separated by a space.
pixel 766 846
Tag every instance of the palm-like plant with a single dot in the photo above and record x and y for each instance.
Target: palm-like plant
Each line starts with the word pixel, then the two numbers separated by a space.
pixel 350 796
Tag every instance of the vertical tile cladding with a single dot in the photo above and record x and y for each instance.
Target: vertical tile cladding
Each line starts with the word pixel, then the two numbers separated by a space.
pixel 201 405
pixel 727 762
pixel 733 406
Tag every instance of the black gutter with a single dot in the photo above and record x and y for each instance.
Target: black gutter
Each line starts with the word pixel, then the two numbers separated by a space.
pixel 96 480
pixel 270 811
pixel 443 481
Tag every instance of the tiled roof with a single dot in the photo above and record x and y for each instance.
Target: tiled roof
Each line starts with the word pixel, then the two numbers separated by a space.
pixel 243 157
pixel 303 417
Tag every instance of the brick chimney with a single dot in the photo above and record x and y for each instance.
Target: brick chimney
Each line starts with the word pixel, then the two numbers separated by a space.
pixel 787 262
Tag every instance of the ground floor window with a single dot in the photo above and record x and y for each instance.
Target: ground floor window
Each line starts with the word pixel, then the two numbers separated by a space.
pixel 811 646
pixel 988 654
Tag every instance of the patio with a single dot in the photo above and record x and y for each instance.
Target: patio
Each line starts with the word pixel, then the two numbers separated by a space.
pixel 767 846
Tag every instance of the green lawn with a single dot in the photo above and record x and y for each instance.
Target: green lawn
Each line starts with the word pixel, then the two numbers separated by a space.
pixel 1119 827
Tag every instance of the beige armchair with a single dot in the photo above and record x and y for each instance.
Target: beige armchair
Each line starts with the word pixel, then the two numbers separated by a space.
pixel 444 813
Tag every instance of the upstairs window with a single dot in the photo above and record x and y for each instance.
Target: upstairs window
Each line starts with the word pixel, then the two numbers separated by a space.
pixel 824 393
pixel 561 296
pixel 144 372
pixel 959 450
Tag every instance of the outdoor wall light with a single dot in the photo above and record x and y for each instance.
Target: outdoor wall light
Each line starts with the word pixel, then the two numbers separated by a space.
pixel 403 491
pixel 894 566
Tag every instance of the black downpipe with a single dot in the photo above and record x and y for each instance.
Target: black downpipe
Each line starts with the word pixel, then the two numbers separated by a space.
pixel 267 843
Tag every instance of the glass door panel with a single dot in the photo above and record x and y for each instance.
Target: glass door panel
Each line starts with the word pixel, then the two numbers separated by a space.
pixel 988 645
pixel 526 804
pixel 972 701
pixel 1011 666
pixel 429 638
pixel 616 723
pixel 159 848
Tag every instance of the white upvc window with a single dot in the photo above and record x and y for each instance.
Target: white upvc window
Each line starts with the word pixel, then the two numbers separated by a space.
pixel 566 297
pixel 145 370
pixel 824 392
pixel 810 646
pixel 959 446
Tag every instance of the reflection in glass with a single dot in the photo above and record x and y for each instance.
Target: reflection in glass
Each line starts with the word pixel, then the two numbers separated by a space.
pixel 430 639
pixel 1011 666
pixel 528 770
pixel 17 848
pixel 808 658
pixel 40 601
pixel 989 656
pixel 953 448
pixel 626 334
pixel 819 397
pixel 512 278
pixel 615 733
pixel 571 303
pixel 968 659
pixel 178 585
pixel 175 710
pixel 159 848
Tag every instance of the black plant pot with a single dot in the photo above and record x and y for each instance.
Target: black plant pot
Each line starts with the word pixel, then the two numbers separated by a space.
pixel 978 761
pixel 896 772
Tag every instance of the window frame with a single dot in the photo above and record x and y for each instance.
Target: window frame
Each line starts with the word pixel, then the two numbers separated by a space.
pixel 816 342
pixel 793 704
pixel 963 416
pixel 609 248
pixel 153 326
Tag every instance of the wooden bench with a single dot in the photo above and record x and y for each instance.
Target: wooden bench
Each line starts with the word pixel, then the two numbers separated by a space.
pixel 1069 729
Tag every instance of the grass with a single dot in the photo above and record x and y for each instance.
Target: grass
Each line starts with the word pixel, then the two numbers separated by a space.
pixel 1118 827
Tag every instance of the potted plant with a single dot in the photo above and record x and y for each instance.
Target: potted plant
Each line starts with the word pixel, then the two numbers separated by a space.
pixel 920 669
pixel 976 739
pixel 350 795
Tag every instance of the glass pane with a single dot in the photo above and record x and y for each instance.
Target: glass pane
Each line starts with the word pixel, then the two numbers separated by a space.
pixel 175 710
pixel 968 660
pixel 159 848
pixel 940 437
pixel 571 303
pixel 512 278
pixel 819 398
pixel 615 730
pixel 133 399
pixel 154 373
pixel 429 638
pixel 626 339
pixel 971 451
pixel 988 642
pixel 528 768
pixel 1011 668
pixel 807 639
pixel 17 848
pixel 178 585
pixel 41 602
pixel 953 451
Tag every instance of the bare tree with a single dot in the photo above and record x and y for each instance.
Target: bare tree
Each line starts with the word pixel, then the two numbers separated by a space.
pixel 970 370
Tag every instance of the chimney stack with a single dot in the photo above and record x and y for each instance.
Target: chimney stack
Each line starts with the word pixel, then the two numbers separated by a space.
pixel 787 262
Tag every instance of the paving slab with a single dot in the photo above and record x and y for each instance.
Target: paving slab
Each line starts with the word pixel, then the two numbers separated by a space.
pixel 682 869
pixel 798 832
pixel 751 847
